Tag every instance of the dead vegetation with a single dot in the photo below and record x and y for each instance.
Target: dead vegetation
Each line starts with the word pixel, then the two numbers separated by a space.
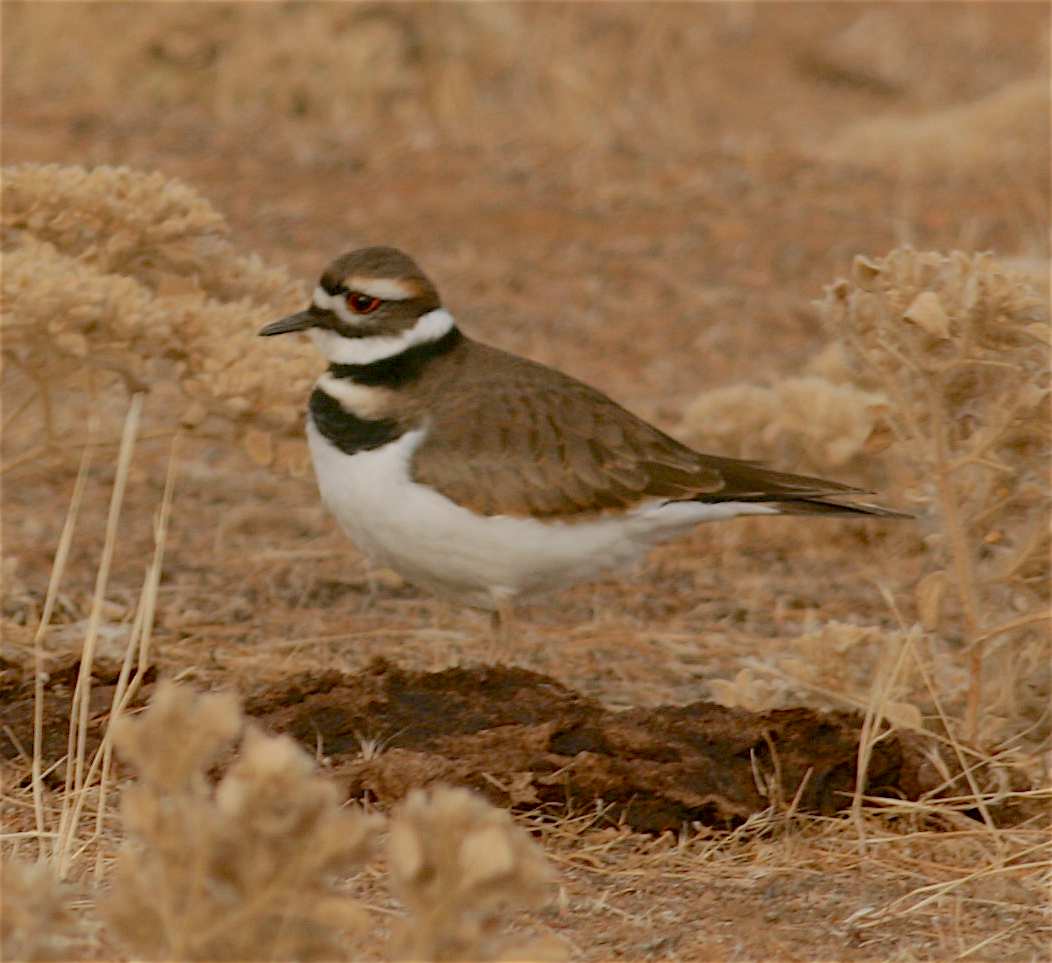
pixel 124 274
pixel 958 351
pixel 961 348
pixel 117 278
pixel 254 865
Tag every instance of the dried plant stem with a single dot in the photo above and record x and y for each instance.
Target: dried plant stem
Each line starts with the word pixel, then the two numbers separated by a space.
pixel 139 638
pixel 1018 623
pixel 148 599
pixel 959 344
pixel 934 891
pixel 870 734
pixel 73 798
pixel 10 417
pixel 58 568
pixel 959 751
pixel 962 562
pixel 42 394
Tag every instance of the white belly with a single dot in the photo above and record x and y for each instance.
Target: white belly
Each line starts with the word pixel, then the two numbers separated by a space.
pixel 435 543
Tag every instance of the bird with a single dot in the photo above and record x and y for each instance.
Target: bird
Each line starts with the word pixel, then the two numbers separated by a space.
pixel 486 477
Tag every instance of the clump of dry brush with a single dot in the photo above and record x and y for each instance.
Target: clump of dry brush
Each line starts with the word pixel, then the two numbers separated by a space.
pixel 811 422
pixel 253 865
pixel 457 863
pixel 36 924
pixel 960 347
pixel 116 272
pixel 938 374
pixel 243 869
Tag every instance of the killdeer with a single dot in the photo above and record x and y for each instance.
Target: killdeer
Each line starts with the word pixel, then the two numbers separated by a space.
pixel 487 477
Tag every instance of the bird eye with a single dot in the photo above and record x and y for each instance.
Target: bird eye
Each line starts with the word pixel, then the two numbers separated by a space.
pixel 362 303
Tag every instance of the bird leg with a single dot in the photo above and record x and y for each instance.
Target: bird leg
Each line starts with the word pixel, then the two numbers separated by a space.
pixel 501 620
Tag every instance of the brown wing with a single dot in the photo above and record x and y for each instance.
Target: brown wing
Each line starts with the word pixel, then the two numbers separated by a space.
pixel 531 441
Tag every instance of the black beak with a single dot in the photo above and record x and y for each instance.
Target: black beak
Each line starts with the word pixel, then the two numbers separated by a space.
pixel 294 322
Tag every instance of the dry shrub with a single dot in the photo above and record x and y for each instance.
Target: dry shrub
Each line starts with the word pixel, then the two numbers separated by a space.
pixel 949 357
pixel 332 63
pixel 247 867
pixel 457 863
pixel 810 423
pixel 36 923
pixel 129 273
pixel 588 76
pixel 960 347
pixel 244 869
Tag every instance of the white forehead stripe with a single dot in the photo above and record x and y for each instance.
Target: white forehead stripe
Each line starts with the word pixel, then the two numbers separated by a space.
pixel 337 305
pixel 386 289
pixel 341 349
pixel 322 299
pixel 329 302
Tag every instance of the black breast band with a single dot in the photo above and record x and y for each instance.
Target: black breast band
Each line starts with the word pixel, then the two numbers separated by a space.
pixel 346 431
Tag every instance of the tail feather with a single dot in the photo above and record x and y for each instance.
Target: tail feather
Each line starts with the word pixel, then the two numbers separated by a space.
pixel 820 506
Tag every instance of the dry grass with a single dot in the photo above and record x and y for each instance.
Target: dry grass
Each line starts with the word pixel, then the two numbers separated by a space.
pixel 193 881
pixel 656 140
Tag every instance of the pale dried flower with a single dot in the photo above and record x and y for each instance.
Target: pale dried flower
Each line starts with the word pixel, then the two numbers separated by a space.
pixel 456 862
pixel 169 754
pixel 242 870
pixel 36 923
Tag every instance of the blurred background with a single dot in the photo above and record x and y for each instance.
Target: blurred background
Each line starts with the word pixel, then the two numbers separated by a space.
pixel 607 185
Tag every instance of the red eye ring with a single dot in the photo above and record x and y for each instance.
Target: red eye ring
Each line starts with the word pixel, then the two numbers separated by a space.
pixel 362 303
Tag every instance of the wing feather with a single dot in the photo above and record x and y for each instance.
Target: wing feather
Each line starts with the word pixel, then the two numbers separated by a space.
pixel 512 437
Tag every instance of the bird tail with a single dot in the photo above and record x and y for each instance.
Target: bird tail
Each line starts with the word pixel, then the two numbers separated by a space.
pixel 822 506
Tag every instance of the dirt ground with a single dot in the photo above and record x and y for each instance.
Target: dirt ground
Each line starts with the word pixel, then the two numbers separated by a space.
pixel 658 226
